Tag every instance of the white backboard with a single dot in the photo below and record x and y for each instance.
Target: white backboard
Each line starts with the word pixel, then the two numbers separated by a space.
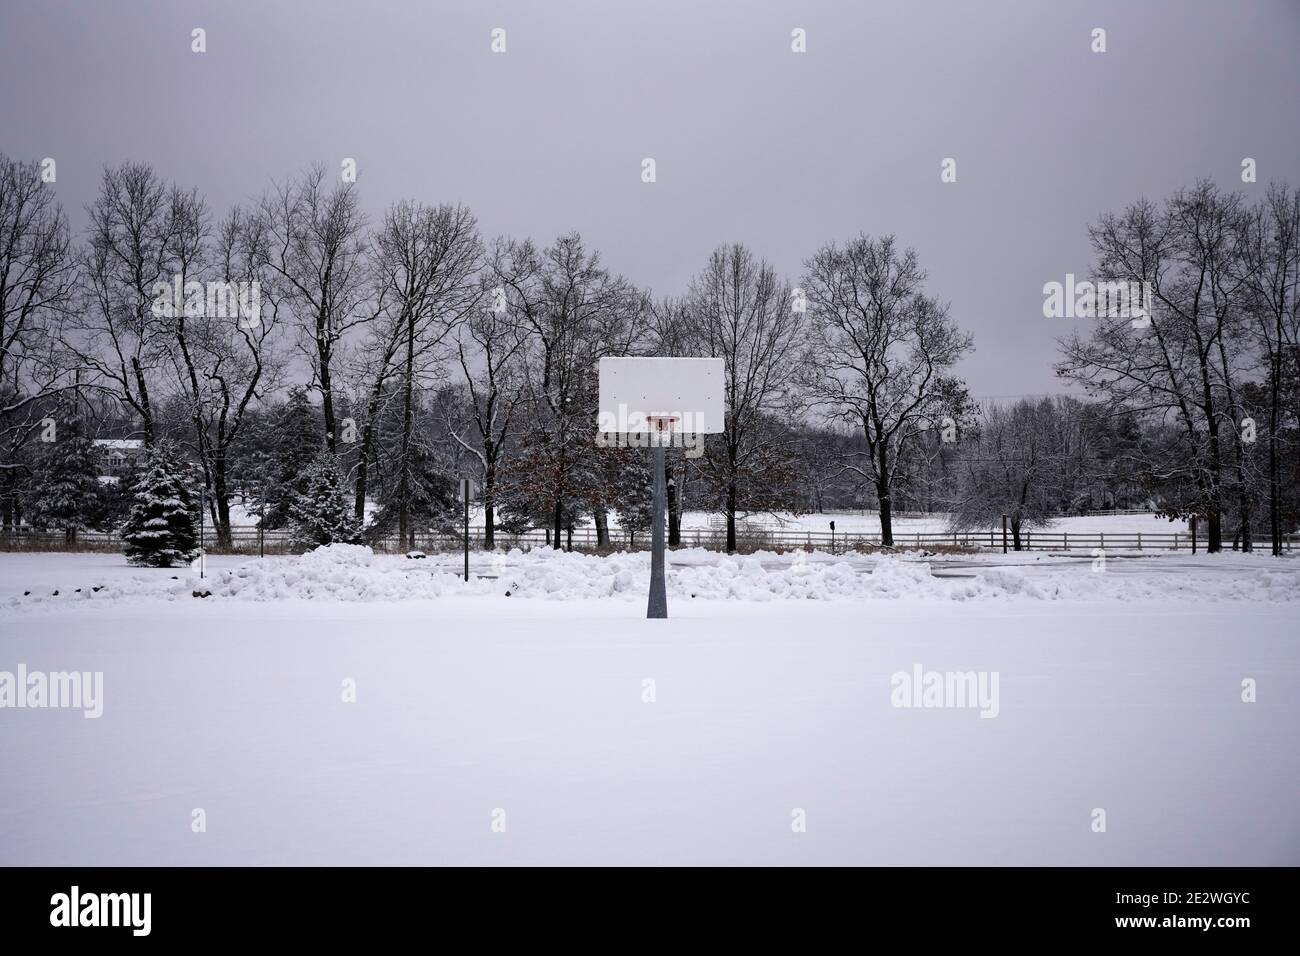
pixel 633 390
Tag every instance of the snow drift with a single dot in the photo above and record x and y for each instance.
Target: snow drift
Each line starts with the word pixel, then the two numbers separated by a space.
pixel 355 573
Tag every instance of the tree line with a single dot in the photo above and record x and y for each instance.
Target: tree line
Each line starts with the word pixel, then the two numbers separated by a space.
pixel 337 373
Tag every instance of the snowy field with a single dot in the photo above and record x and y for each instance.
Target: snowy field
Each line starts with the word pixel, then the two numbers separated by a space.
pixel 847 522
pixel 774 697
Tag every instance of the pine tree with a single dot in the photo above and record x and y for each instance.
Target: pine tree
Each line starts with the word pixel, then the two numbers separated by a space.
pixel 159 531
pixel 297 446
pixel 66 494
pixel 323 513
pixel 431 501
pixel 633 493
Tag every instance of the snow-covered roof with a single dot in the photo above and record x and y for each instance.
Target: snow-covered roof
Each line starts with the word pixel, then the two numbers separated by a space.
pixel 121 444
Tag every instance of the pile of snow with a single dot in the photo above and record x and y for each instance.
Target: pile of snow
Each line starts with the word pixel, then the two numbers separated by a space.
pixel 344 572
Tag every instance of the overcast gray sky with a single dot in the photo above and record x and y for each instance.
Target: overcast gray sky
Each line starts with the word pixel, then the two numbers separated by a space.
pixel 752 142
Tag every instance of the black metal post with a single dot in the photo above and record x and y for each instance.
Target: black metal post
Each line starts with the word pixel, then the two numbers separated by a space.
pixel 203 504
pixel 464 487
pixel 1004 534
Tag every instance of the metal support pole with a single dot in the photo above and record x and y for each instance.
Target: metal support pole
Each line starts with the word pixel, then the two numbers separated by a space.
pixel 658 604
pixel 465 491
pixel 1004 534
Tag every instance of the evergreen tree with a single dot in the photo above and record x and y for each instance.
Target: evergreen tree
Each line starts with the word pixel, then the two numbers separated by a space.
pixel 297 445
pixel 159 531
pixel 633 493
pixel 117 495
pixel 432 502
pixel 65 490
pixel 323 513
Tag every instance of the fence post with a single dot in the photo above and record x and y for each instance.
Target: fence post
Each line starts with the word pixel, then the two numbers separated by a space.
pixel 1139 540
pixel 1103 541
pixel 1065 536
pixel 1004 534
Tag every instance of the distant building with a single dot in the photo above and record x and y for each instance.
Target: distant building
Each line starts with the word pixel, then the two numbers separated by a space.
pixel 119 455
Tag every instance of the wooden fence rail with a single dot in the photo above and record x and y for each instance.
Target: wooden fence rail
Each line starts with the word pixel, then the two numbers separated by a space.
pixel 250 541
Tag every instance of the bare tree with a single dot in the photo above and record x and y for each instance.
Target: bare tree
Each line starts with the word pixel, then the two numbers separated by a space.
pixel 487 352
pixel 37 285
pixel 573 311
pixel 428 261
pixel 739 311
pixel 1271 265
pixel 669 334
pixel 119 334
pixel 316 247
pixel 222 355
pixel 879 352
pixel 1178 364
pixel 1012 464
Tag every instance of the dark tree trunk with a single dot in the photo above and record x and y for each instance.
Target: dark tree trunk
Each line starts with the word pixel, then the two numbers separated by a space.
pixel 145 409
pixel 221 494
pixel 601 518
pixel 404 529
pixel 363 467
pixel 1274 485
pixel 326 382
pixel 886 516
pixel 489 507
pixel 731 518
pixel 883 493
pixel 8 499
pixel 1247 542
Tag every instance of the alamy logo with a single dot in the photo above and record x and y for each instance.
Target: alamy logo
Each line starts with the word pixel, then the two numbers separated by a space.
pixel 1103 299
pixel 627 428
pixel 946 689
pixel 241 301
pixel 102 909
pixel 63 689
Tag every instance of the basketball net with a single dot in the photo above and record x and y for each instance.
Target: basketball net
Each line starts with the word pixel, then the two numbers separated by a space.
pixel 663 428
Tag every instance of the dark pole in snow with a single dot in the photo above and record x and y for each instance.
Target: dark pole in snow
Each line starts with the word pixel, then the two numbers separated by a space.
pixel 261 523
pixel 1004 534
pixel 1193 524
pixel 658 606
pixel 464 487
pixel 202 504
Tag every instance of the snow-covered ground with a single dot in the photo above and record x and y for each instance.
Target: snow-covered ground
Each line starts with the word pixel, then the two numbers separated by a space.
pixel 851 522
pixel 1118 690
pixel 848 522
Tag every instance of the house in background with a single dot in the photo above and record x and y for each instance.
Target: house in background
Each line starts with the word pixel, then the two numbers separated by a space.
pixel 119 455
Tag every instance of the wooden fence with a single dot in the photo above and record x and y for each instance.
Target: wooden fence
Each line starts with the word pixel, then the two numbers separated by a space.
pixel 251 541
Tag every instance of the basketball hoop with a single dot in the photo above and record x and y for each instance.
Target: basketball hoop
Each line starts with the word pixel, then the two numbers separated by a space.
pixel 663 425
pixel 679 386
